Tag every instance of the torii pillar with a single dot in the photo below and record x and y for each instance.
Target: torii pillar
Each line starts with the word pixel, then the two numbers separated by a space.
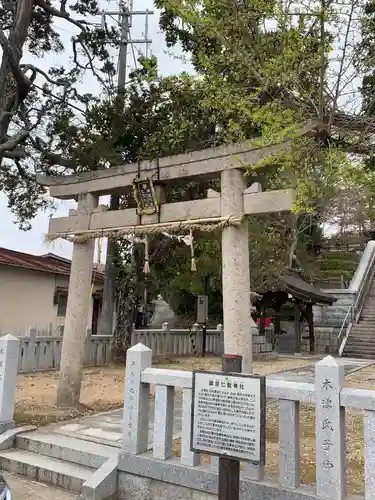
pixel 238 322
pixel 77 311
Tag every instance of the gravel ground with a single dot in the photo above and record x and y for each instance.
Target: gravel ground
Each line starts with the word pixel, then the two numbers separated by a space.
pixel 23 489
pixel 103 388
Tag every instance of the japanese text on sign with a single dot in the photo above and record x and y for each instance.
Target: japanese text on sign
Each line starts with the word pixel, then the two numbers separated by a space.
pixel 228 415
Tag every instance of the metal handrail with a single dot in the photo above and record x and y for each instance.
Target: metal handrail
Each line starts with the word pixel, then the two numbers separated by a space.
pixel 348 314
pixel 348 323
pixel 362 292
pixel 355 310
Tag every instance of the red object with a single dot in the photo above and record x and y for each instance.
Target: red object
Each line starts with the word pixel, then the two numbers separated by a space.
pixel 267 322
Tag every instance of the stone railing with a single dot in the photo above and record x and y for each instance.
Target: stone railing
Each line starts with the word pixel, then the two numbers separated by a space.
pixel 188 342
pixel 328 394
pixel 180 342
pixel 40 353
pixel 43 353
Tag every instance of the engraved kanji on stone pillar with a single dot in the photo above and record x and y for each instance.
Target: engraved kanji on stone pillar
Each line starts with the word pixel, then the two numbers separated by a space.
pixel 136 401
pixel 9 349
pixel 330 430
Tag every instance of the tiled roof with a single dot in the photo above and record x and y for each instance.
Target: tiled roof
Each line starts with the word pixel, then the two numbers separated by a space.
pixel 48 263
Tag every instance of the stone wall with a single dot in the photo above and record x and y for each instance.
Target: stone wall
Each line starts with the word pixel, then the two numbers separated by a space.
pixel 262 346
pixel 325 340
pixel 334 315
pixel 182 483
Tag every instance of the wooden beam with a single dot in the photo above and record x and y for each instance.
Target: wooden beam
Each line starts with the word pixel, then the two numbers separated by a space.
pixel 204 163
pixel 254 203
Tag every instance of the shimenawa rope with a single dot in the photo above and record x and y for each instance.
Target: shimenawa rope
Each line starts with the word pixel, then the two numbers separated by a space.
pixel 209 224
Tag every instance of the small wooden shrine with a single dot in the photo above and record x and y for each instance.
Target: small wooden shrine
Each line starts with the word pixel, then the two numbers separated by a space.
pixel 293 289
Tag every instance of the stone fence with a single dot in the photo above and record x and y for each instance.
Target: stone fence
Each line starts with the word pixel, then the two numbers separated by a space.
pixel 41 353
pixel 180 342
pixel 38 353
pixel 177 477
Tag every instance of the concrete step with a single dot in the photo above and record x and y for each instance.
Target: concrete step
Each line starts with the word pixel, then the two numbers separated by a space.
pixel 359 355
pixel 66 448
pixel 363 328
pixel 362 338
pixel 359 332
pixel 360 341
pixel 355 349
pixel 45 469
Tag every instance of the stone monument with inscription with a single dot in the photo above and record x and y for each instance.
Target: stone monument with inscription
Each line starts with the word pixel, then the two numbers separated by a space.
pixel 9 348
pixel 330 428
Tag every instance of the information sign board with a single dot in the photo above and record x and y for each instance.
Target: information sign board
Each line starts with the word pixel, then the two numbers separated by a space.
pixel 229 415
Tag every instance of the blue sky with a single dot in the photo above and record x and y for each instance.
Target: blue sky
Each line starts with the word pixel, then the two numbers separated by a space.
pixel 33 241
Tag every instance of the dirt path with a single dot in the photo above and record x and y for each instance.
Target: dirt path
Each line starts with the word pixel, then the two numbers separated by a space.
pixel 23 489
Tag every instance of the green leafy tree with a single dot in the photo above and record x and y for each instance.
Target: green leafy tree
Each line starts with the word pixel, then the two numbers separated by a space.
pixel 31 99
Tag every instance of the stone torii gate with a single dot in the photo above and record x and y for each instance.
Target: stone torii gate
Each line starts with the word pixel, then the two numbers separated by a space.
pixel 227 209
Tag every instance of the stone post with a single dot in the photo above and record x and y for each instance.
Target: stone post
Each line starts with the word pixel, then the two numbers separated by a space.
pixel 29 358
pixel 220 344
pixel 330 430
pixel 87 359
pixel 188 457
pixel 9 351
pixel 136 400
pixel 163 422
pixel 236 271
pixel 195 331
pixel 77 311
pixel 168 339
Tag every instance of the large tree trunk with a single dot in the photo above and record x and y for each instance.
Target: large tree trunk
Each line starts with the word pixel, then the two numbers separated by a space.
pixel 128 286
pixel 13 83
pixel 126 293
pixel 111 271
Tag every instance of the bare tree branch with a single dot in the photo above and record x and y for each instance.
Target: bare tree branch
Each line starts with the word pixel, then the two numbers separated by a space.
pixel 19 76
pixel 14 141
pixel 35 70
pixel 60 13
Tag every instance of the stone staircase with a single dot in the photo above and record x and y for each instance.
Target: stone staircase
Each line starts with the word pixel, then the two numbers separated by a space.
pixel 61 461
pixel 361 341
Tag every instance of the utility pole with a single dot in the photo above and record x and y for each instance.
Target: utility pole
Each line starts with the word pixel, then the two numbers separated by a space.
pixel 124 14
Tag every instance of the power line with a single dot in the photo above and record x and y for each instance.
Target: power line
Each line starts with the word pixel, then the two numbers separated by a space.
pixel 125 17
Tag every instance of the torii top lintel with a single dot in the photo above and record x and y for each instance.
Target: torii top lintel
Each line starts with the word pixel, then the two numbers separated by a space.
pixel 203 163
